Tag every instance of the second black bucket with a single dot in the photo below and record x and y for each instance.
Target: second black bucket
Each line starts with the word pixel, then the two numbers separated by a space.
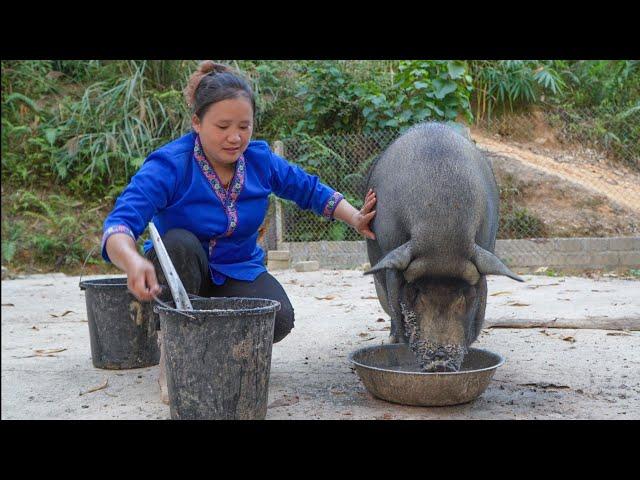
pixel 122 330
pixel 218 362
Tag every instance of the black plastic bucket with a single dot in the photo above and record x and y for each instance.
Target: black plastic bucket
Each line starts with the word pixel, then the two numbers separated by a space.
pixel 218 361
pixel 122 329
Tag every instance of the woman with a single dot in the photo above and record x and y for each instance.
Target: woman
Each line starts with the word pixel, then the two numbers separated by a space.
pixel 207 193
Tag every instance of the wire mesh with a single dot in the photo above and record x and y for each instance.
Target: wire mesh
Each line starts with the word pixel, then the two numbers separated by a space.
pixel 560 174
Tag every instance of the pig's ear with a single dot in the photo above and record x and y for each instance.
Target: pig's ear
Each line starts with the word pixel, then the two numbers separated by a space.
pixel 488 264
pixel 398 259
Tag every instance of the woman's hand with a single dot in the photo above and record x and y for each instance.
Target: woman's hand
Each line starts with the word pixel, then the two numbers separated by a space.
pixel 141 274
pixel 360 220
pixel 141 279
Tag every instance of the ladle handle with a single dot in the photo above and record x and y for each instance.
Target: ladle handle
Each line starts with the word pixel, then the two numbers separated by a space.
pixel 178 292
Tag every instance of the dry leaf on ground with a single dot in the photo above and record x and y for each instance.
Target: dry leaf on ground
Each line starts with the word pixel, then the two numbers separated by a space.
pixel 44 353
pixel 49 351
pixel 95 389
pixel 504 292
pixel 326 297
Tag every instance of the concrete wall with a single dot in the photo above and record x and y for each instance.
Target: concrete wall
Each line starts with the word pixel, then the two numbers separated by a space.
pixel 569 253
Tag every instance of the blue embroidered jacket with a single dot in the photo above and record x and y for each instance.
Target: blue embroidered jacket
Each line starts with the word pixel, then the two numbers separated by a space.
pixel 177 188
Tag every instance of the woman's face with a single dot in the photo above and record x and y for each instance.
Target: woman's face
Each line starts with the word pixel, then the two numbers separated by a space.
pixel 225 129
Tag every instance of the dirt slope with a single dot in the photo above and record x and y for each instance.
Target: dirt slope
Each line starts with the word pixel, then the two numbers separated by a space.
pixel 619 184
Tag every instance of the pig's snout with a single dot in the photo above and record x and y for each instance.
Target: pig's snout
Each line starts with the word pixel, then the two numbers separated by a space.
pixel 442 358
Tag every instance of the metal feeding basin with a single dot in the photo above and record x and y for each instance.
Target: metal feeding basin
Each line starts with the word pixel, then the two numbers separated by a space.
pixel 390 372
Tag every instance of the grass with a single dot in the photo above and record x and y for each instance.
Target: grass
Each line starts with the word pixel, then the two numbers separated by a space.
pixel 47 231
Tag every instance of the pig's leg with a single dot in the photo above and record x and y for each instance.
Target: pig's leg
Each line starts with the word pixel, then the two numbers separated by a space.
pixel 375 254
pixel 394 284
pixel 381 291
pixel 482 306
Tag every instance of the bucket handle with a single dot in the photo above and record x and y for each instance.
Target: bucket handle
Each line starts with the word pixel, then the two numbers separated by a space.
pixel 83 265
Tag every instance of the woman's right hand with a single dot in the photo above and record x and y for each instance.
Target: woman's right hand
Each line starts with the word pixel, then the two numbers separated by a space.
pixel 141 279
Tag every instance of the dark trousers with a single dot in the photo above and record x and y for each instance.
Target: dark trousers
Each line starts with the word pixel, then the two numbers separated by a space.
pixel 191 263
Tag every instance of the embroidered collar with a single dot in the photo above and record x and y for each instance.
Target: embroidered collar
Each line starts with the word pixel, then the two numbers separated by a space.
pixel 228 197
pixel 236 184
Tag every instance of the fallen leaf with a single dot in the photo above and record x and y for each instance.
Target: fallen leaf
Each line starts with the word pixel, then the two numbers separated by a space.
pixel 619 334
pixel 347 413
pixel 67 312
pixel 369 298
pixel 34 328
pixel 327 297
pixel 44 353
pixel 569 339
pixel 518 304
pixel 363 334
pixel 95 389
pixel 504 292
pixel 8 305
pixel 285 401
pixel 49 351
pixel 380 320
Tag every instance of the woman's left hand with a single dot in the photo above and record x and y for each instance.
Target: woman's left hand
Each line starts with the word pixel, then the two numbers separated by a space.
pixel 361 219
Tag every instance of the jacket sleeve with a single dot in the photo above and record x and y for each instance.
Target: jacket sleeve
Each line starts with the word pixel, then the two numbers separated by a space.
pixel 150 190
pixel 293 183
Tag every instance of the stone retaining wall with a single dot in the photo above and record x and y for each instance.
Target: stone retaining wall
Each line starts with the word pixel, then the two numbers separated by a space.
pixel 567 253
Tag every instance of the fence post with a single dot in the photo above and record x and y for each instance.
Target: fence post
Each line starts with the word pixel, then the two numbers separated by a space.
pixel 278 149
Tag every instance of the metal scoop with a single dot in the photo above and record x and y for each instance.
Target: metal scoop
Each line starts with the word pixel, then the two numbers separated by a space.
pixel 178 292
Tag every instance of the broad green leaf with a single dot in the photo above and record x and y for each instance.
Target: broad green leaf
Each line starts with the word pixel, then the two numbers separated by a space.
pixel 456 69
pixel 443 88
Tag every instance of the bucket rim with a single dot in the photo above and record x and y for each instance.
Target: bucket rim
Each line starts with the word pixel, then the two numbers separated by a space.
pixel 273 307
pixel 96 282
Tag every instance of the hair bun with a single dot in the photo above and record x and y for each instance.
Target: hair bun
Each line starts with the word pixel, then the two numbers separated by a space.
pixel 209 66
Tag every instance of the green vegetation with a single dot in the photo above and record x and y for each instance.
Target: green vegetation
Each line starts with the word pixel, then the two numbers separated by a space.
pixel 76 131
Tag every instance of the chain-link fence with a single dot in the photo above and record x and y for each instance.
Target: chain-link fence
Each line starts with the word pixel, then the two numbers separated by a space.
pixel 560 174
pixel 341 161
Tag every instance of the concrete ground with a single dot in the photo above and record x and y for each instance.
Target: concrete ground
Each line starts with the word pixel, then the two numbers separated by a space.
pixel 587 369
